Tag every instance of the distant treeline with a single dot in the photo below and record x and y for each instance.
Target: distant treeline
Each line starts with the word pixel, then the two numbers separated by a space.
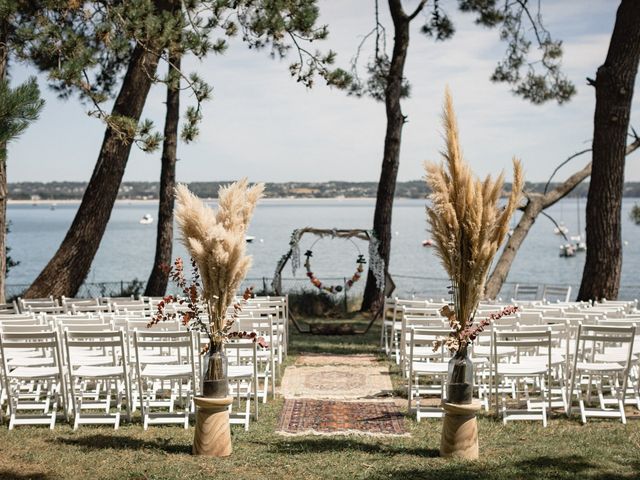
pixel 149 190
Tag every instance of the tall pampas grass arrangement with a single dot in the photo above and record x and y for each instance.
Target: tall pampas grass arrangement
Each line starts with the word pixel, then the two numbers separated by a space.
pixel 215 239
pixel 468 224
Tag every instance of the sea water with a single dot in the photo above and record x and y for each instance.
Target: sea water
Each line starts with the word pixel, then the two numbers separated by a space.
pixel 127 248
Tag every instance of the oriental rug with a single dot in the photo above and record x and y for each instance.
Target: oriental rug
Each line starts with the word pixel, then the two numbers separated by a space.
pixel 328 417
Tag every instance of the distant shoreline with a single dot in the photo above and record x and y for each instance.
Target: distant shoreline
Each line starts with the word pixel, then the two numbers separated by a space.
pixel 152 200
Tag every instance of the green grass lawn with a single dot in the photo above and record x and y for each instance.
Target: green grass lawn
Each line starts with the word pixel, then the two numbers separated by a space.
pixel 523 450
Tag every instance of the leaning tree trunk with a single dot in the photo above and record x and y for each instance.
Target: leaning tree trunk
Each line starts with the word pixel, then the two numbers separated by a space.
pixel 4 59
pixel 66 271
pixel 391 159
pixel 159 277
pixel 536 203
pixel 614 92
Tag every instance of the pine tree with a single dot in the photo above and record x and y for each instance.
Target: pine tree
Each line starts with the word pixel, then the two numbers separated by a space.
pixel 89 43
pixel 19 107
pixel 537 82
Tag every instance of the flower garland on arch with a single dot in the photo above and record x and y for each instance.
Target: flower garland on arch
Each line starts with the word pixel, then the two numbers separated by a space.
pixel 334 288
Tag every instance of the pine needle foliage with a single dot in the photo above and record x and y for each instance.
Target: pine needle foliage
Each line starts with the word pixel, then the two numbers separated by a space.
pixel 467 223
pixel 215 239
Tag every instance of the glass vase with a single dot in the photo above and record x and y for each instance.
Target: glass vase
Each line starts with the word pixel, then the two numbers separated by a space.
pixel 460 378
pixel 215 382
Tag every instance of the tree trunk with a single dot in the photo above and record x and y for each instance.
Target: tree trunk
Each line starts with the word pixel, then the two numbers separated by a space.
pixel 391 159
pixel 4 60
pixel 614 92
pixel 508 255
pixel 159 277
pixel 67 270
pixel 503 265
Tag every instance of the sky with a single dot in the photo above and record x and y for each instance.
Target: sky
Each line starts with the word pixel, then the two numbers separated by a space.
pixel 264 125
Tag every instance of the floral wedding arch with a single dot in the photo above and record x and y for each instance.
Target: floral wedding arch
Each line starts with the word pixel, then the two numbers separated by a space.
pixel 376 262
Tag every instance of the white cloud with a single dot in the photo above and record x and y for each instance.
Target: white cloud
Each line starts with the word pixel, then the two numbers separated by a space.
pixel 263 124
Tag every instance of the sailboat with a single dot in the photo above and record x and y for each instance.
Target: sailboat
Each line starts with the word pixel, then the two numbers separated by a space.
pixel 579 244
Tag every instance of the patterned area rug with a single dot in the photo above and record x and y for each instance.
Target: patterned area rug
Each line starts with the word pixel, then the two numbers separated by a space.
pixel 336 382
pixel 327 417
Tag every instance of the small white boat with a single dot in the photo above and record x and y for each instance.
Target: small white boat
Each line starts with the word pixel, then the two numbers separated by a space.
pixel 578 244
pixel 427 243
pixel 146 219
pixel 567 250
pixel 249 238
pixel 561 229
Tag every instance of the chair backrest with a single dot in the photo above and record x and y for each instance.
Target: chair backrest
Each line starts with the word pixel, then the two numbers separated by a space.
pixel 9 308
pixel 526 292
pixel 45 345
pixel 551 292
pixel 22 320
pixel 129 299
pixel 175 346
pixel 525 343
pixel 110 341
pixel 529 317
pixel 425 337
pixel 595 338
pixel 242 351
pixel 84 308
pixel 45 327
pixel 24 303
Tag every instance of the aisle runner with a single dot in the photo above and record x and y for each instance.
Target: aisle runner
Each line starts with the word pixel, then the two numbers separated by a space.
pixel 314 385
pixel 329 417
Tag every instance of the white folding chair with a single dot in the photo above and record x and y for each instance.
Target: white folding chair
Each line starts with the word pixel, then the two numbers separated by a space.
pixel 427 370
pixel 33 376
pixel 163 358
pixel 527 371
pixel 243 380
pixel 603 355
pixel 92 386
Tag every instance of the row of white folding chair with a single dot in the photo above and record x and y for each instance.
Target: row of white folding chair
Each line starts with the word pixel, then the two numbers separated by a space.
pixel 91 385
pixel 617 357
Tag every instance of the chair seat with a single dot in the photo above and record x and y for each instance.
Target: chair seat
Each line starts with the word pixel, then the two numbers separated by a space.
pixel 34 372
pixel 486 350
pixel 154 359
pixel 522 368
pixel 30 362
pixel 430 367
pixel 166 371
pixel 240 371
pixel 93 360
pixel 425 352
pixel 613 356
pixel 599 367
pixel 98 371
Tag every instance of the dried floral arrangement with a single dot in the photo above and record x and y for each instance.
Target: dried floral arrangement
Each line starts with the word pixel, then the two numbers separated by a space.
pixel 467 226
pixel 192 316
pixel 215 239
